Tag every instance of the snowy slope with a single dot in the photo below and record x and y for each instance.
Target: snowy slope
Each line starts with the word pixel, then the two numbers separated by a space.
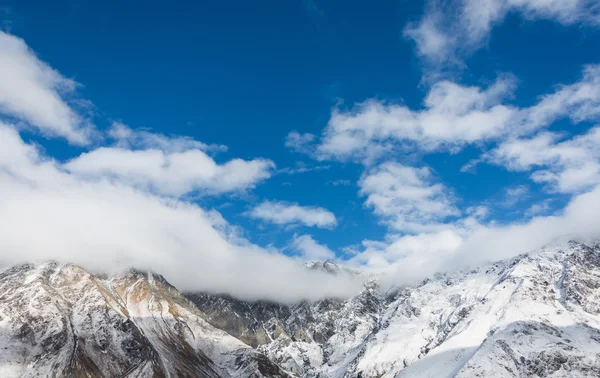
pixel 535 315
pixel 60 321
pixel 465 325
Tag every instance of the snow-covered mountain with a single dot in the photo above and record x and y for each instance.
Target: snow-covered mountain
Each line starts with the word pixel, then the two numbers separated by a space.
pixel 61 321
pixel 533 315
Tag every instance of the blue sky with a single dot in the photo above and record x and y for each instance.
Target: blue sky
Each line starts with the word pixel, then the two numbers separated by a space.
pixel 355 129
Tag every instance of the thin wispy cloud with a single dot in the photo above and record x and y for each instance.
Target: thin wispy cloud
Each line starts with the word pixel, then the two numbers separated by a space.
pixel 299 142
pixel 140 139
pixel 451 30
pixel 301 167
pixel 340 182
pixel 515 194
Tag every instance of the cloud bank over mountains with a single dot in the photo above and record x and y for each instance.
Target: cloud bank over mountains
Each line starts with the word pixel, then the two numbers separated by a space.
pixel 131 197
pixel 123 205
pixel 47 212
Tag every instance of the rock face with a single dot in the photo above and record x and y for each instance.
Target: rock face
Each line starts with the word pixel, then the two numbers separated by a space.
pixel 60 321
pixel 534 315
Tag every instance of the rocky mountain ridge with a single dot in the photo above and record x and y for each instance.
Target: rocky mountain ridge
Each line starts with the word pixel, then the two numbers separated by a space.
pixel 61 321
pixel 532 315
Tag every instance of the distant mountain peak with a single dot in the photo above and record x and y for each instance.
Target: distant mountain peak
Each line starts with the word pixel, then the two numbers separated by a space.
pixel 329 266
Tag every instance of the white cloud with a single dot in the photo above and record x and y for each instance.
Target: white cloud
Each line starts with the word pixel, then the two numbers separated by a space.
pixel 33 92
pixel 114 206
pixel 579 101
pixel 542 207
pixel 302 167
pixel 414 251
pixel 127 138
pixel 410 258
pixel 515 194
pixel 279 212
pixel 169 166
pixel 516 191
pixel 340 182
pixel 406 197
pixel 579 219
pixel 478 212
pixel 48 213
pixel 299 142
pixel 453 116
pixel 431 41
pixel 567 166
pixel 310 250
pixel 452 29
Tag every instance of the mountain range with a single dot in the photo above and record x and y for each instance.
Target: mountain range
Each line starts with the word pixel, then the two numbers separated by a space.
pixel 535 315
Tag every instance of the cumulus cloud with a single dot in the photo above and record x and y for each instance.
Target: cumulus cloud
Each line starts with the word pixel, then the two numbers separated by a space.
pixel 287 213
pixel 34 92
pixel 309 249
pixel 124 204
pixel 46 212
pixel 407 198
pixel 450 30
pixel 410 258
pixel 579 101
pixel 570 165
pixel 452 117
pixel 121 205
pixel 172 166
pixel 170 173
pixel 427 231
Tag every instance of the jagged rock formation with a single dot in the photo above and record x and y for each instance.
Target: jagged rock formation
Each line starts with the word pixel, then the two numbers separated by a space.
pixel 61 321
pixel 535 315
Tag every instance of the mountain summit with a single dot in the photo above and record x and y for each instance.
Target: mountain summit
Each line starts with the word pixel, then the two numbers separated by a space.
pixel 61 321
